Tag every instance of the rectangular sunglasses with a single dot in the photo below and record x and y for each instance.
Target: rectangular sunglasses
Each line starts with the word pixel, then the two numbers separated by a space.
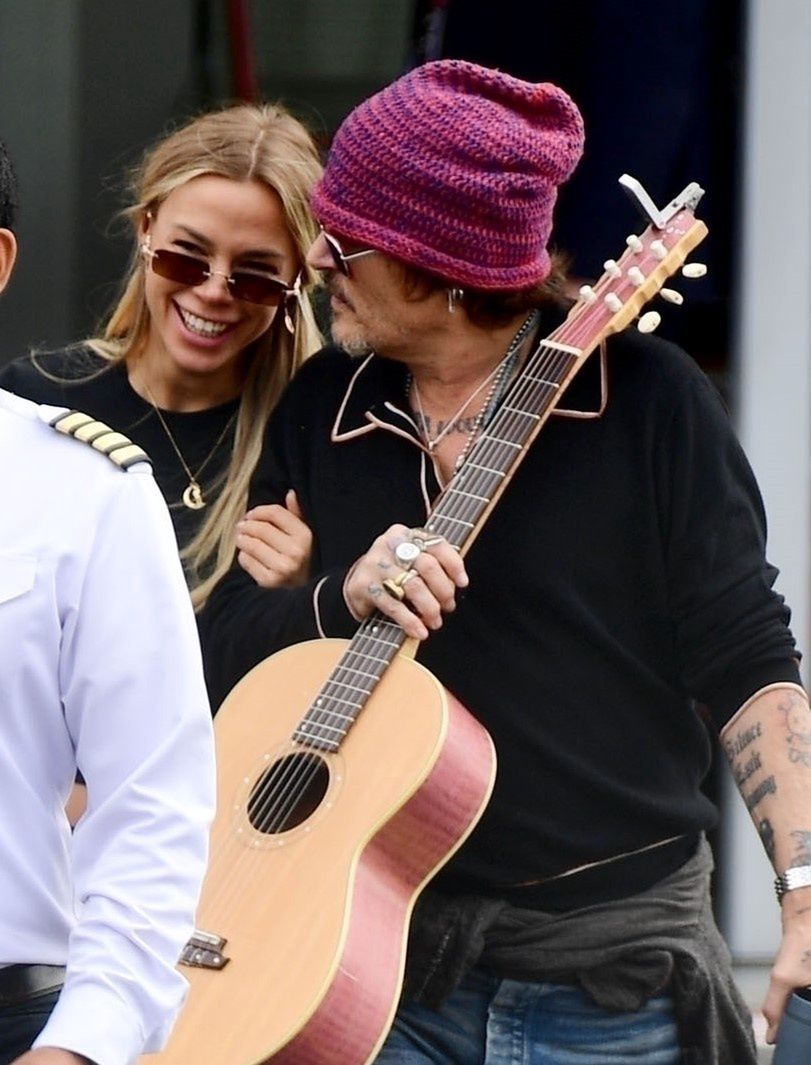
pixel 242 284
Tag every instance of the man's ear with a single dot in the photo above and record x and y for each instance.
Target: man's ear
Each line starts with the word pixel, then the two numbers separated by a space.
pixel 8 253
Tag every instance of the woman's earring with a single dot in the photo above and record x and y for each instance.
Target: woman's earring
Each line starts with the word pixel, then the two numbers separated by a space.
pixel 454 295
pixel 289 324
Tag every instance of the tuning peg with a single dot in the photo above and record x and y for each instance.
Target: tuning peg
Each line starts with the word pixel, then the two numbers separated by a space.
pixel 649 321
pixel 587 294
pixel 694 270
pixel 658 249
pixel 633 242
pixel 672 296
pixel 611 268
pixel 613 302
pixel 635 276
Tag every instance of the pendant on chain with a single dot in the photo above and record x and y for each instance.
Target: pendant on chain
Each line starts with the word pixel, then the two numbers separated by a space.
pixel 193 496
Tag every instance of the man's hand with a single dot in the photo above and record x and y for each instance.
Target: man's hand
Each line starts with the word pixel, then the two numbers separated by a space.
pixel 51 1056
pixel 428 590
pixel 792 966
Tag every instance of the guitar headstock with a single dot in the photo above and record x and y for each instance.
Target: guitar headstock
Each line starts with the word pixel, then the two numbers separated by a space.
pixel 648 260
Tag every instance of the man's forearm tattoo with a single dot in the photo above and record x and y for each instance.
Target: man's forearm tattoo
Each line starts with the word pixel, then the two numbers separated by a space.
pixel 747 766
pixel 797 714
pixel 802 843
pixel 766 833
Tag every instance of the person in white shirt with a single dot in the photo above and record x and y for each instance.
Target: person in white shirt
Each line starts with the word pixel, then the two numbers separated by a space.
pixel 100 671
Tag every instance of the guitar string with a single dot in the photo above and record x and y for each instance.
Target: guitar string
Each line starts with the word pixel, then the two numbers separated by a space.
pixel 366 645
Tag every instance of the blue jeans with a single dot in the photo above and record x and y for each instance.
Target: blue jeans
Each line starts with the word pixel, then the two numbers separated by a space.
pixel 490 1021
pixel 21 1024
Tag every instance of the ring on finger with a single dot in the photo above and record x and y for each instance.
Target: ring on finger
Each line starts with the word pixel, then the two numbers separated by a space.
pixel 407 552
pixel 395 586
pixel 423 538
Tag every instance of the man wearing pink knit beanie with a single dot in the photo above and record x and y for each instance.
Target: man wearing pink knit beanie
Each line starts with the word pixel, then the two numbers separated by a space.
pixel 619 583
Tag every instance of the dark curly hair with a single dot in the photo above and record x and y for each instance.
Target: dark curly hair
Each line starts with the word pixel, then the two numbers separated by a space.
pixel 8 190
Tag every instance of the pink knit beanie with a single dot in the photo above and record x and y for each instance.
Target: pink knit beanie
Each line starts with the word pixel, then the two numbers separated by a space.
pixel 454 168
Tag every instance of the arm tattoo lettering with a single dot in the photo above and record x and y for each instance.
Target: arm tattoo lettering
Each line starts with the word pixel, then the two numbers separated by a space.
pixel 758 794
pixel 750 767
pixel 742 740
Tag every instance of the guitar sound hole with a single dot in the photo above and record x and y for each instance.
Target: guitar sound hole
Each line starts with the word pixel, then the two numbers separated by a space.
pixel 287 793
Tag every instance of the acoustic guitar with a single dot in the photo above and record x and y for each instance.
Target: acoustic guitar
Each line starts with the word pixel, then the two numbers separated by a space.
pixel 348 775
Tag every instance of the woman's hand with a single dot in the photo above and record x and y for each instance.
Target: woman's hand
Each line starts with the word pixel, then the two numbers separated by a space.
pixel 420 592
pixel 274 544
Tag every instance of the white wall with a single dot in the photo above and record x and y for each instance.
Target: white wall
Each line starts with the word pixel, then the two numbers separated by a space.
pixel 773 364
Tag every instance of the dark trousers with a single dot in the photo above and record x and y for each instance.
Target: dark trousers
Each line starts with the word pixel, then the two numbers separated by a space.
pixel 21 1023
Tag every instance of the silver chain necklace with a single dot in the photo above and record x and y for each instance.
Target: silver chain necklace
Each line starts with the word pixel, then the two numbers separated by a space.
pixel 497 379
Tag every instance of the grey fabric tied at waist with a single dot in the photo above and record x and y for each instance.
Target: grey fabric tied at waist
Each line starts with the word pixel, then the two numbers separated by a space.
pixel 621 953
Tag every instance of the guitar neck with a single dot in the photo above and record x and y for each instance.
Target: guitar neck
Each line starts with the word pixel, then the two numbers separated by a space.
pixel 465 504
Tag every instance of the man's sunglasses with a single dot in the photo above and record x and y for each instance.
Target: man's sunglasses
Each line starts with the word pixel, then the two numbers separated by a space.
pixel 242 284
pixel 340 258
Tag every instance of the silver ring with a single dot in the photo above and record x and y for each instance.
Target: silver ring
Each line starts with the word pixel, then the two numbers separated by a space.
pixel 407 552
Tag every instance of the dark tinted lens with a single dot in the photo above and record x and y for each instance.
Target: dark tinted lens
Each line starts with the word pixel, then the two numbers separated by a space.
pixel 337 254
pixel 257 289
pixel 175 266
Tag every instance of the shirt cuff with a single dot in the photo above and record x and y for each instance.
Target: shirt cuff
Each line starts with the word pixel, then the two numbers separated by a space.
pixel 94 1021
pixel 726 702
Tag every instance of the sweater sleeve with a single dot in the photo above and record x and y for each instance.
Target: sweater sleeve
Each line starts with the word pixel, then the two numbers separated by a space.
pixel 241 623
pixel 731 627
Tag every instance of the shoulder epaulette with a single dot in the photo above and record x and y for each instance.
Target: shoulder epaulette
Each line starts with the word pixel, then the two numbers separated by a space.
pixel 117 447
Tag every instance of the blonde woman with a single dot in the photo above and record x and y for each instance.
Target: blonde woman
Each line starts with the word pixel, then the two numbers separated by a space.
pixel 212 322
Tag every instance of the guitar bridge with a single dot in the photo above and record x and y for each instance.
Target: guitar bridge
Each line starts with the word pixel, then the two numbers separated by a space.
pixel 204 951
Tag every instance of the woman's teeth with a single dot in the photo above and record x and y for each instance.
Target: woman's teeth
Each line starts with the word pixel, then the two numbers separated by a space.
pixel 202 326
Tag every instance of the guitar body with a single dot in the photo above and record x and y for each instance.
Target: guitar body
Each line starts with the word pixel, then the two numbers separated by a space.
pixel 315 910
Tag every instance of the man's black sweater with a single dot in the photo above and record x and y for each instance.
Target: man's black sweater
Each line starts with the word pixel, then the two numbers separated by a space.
pixel 619 582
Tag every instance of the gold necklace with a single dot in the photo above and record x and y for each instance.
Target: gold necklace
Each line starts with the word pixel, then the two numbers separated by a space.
pixel 192 496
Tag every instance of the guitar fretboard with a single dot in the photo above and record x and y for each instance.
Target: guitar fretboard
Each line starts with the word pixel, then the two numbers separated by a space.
pixel 462 508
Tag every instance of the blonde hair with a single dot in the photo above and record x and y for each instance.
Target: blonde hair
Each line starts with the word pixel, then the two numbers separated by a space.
pixel 244 142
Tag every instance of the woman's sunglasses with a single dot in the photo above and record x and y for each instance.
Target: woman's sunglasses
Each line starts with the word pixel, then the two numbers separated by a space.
pixel 242 284
pixel 340 258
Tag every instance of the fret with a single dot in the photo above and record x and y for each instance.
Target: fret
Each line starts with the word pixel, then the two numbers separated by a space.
pixel 337 699
pixel 499 440
pixel 457 521
pixel 372 658
pixel 308 723
pixel 486 469
pixel 346 684
pixel 540 380
pixel 524 413
pixel 360 672
pixel 468 495
pixel 319 743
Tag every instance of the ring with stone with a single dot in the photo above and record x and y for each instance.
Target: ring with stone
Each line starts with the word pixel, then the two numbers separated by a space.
pixel 407 552
pixel 395 585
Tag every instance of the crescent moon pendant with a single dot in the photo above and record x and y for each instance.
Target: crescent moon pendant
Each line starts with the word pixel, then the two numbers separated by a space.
pixel 193 496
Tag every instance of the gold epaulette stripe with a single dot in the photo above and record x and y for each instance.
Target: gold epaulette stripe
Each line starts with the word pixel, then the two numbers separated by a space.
pixel 117 447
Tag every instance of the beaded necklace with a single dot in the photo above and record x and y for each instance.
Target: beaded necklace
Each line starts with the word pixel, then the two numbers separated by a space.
pixel 497 379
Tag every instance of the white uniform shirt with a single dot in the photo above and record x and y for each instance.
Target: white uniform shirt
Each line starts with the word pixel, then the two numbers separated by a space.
pixel 99 667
